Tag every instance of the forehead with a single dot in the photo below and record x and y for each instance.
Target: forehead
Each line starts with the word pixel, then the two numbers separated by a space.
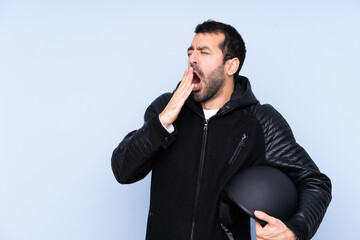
pixel 211 40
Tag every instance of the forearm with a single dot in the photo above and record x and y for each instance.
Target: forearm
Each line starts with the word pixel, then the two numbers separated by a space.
pixel 314 188
pixel 314 198
pixel 131 160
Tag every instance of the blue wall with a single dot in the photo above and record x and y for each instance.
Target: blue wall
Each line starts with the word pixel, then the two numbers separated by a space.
pixel 76 76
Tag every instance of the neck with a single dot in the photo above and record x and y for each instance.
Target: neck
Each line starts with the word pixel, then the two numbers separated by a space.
pixel 221 97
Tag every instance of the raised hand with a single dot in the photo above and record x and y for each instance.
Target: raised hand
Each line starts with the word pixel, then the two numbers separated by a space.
pixel 172 109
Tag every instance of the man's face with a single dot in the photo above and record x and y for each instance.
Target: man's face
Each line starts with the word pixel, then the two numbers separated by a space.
pixel 206 58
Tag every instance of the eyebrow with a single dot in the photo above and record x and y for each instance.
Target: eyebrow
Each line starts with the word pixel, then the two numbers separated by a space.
pixel 199 48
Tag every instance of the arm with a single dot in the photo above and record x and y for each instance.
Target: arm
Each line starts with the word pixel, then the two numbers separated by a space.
pixel 132 159
pixel 314 187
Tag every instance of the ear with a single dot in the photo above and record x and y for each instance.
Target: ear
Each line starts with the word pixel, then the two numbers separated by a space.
pixel 232 66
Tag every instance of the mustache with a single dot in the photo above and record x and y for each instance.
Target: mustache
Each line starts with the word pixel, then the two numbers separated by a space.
pixel 198 70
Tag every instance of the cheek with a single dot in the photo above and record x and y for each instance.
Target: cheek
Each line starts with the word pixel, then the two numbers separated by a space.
pixel 212 63
pixel 209 68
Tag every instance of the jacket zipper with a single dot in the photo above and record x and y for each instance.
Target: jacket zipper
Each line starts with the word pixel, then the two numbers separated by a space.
pixel 238 149
pixel 198 185
pixel 202 158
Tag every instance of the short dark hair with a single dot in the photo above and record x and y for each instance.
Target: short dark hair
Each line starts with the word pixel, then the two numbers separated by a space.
pixel 233 45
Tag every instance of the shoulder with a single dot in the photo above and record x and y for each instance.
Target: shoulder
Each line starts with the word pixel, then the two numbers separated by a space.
pixel 275 127
pixel 266 114
pixel 163 99
pixel 157 105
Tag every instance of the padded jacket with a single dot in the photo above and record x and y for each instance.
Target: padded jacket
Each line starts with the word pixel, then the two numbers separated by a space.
pixel 191 166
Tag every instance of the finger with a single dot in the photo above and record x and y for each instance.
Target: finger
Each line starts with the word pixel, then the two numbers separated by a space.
pixel 265 217
pixel 189 90
pixel 189 79
pixel 190 75
pixel 258 231
pixel 257 226
pixel 186 75
pixel 185 86
pixel 182 81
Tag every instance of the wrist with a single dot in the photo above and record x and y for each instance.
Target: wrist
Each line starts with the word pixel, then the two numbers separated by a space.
pixel 163 121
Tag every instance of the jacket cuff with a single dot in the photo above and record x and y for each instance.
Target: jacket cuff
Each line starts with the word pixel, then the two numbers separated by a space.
pixel 162 136
pixel 292 225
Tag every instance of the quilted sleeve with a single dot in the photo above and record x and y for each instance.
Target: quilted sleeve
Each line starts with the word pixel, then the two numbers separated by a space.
pixel 132 159
pixel 283 152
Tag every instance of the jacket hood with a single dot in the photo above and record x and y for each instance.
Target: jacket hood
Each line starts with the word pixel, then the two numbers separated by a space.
pixel 242 97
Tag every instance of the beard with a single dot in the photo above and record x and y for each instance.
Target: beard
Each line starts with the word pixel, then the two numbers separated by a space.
pixel 213 83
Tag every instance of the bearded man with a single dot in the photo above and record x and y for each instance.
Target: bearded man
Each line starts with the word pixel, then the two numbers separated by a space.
pixel 197 138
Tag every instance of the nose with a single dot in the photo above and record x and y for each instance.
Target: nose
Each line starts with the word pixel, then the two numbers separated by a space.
pixel 193 59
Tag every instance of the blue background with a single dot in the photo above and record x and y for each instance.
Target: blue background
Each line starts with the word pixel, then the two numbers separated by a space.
pixel 76 76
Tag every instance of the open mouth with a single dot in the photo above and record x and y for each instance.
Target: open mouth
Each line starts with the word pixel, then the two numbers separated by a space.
pixel 196 81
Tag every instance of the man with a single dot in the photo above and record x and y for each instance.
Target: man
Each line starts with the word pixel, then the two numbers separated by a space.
pixel 198 137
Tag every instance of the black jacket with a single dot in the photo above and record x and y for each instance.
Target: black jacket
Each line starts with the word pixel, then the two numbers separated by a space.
pixel 191 166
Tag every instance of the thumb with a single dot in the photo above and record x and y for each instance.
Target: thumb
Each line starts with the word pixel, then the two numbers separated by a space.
pixel 263 216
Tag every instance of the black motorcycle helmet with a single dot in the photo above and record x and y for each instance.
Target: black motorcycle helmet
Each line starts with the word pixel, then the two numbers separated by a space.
pixel 261 188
